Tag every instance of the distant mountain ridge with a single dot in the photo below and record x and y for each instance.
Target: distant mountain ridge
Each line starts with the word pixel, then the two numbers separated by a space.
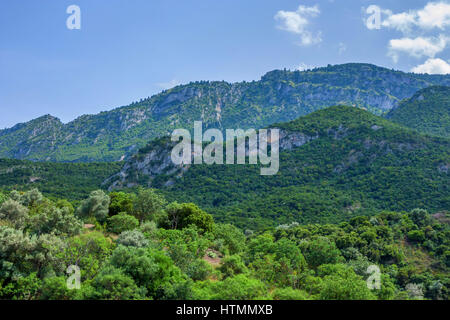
pixel 428 111
pixel 279 96
pixel 335 163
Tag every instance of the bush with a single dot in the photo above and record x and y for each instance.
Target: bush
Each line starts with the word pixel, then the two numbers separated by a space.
pixel 133 238
pixel 97 206
pixel 122 222
pixel 416 236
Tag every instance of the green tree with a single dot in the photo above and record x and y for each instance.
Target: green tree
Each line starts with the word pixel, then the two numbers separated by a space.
pixel 55 288
pixel 232 265
pixel 320 251
pixel 183 215
pixel 113 284
pixel 229 239
pixel 122 222
pixel 97 206
pixel 121 202
pixel 342 283
pixel 154 270
pixel 14 212
pixel 148 205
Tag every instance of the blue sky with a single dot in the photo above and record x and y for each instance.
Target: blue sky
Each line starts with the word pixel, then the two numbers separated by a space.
pixel 128 50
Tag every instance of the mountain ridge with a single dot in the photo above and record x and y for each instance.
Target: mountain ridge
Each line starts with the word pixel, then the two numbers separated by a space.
pixel 279 96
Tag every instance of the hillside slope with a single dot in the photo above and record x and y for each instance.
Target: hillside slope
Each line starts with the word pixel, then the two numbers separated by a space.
pixel 334 163
pixel 278 97
pixel 72 181
pixel 428 111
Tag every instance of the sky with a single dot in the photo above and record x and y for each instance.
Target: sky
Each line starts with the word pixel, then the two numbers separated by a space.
pixel 54 61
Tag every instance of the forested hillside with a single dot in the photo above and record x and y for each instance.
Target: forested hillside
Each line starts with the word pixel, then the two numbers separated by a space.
pixel 278 97
pixel 56 180
pixel 428 111
pixel 137 246
pixel 334 164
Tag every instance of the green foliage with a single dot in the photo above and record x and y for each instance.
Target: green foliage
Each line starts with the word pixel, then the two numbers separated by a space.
pixel 229 239
pixel 359 164
pixel 153 270
pixel 239 287
pixel 232 265
pixel 320 251
pixel 290 262
pixel 3 198
pixel 183 215
pixel 133 238
pixel 428 111
pixel 341 283
pixel 96 206
pixel 56 180
pixel 14 212
pixel 88 251
pixel 55 288
pixel 113 284
pixel 289 294
pixel 121 202
pixel 122 222
pixel 59 221
pixel 148 205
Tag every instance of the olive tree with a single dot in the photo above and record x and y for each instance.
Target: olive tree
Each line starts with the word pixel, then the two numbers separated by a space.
pixel 97 206
pixel 14 212
pixel 148 205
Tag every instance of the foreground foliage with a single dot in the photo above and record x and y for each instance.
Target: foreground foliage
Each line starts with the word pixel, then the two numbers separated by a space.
pixel 177 251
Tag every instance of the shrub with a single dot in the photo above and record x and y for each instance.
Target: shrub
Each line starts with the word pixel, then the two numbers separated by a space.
pixel 122 222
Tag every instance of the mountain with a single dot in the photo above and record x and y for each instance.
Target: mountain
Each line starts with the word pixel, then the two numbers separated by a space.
pixel 428 111
pixel 279 96
pixel 335 163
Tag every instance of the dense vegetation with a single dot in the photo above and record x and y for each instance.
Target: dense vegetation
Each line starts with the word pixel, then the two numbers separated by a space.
pixel 56 180
pixel 138 246
pixel 428 111
pixel 357 164
pixel 279 96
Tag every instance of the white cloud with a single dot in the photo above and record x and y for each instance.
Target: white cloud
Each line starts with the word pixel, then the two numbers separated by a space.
pixel 417 47
pixel 168 85
pixel 433 15
pixel 297 22
pixel 401 21
pixel 433 66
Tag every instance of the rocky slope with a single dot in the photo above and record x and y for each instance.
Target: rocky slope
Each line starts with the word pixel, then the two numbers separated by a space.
pixel 279 96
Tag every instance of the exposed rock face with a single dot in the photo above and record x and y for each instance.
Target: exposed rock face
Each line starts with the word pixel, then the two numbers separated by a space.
pixel 144 168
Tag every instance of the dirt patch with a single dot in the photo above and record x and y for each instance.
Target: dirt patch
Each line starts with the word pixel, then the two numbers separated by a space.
pixel 213 257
